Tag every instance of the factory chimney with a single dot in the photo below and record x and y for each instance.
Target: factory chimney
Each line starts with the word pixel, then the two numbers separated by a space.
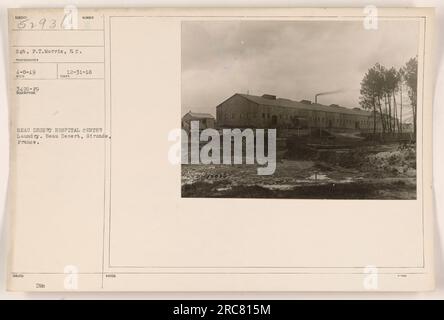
pixel 325 93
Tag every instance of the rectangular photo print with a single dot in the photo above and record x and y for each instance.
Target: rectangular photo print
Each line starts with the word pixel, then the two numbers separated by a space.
pixel 299 109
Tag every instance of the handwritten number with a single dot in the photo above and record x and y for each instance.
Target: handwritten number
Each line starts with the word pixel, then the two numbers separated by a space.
pixel 66 21
pixel 42 23
pixel 22 23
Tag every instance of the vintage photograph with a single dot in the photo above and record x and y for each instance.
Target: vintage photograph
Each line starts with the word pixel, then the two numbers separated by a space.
pixel 299 109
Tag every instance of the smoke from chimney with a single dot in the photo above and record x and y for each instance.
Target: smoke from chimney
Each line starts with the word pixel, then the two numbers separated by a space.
pixel 326 93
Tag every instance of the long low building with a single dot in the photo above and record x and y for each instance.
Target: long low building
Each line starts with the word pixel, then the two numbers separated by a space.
pixel 268 111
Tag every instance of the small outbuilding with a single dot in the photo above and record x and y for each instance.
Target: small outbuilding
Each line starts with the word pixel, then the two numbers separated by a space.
pixel 206 120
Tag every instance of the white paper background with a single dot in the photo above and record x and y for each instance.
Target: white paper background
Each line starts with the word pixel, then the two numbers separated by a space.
pixel 438 152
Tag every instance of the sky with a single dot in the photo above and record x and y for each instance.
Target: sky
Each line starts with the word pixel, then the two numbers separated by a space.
pixel 289 59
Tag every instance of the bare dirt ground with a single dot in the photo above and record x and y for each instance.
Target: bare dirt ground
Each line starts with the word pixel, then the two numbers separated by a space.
pixel 370 172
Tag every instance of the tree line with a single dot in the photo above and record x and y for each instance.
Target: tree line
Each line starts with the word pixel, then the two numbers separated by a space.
pixel 382 92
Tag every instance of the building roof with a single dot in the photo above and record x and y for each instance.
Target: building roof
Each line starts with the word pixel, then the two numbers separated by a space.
pixel 280 102
pixel 200 115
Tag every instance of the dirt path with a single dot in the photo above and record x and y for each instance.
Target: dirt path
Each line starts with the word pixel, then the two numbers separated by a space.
pixel 293 179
